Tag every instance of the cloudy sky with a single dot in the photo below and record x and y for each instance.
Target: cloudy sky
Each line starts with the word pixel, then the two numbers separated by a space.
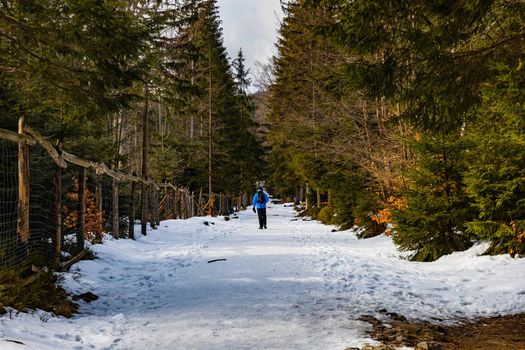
pixel 252 25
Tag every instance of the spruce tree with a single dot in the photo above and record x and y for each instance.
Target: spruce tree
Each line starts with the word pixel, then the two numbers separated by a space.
pixel 496 178
pixel 210 101
pixel 432 221
pixel 71 64
pixel 319 127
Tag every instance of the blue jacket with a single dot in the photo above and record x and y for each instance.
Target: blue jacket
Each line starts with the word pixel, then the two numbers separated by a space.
pixel 257 204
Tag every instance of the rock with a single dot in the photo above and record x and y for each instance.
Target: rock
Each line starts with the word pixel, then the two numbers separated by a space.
pixel 87 297
pixel 370 319
pixel 428 346
pixel 206 223
pixel 226 218
pixel 397 317
pixel 334 230
pixel 377 347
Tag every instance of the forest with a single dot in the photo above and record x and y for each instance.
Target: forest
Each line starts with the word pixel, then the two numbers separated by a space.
pixel 400 118
pixel 391 121
pixel 406 117
pixel 96 76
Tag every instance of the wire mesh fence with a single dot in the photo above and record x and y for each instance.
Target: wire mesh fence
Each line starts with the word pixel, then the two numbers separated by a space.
pixel 48 208
pixel 41 207
pixel 10 253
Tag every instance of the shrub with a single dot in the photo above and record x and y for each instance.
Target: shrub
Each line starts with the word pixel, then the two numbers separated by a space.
pixel 326 215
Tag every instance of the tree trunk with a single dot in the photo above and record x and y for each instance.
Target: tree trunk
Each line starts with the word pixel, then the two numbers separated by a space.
pixel 144 189
pixel 155 207
pixel 210 135
pixel 307 200
pixel 115 211
pixel 131 219
pixel 82 180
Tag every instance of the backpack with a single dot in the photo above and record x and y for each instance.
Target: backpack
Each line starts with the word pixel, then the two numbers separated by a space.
pixel 260 197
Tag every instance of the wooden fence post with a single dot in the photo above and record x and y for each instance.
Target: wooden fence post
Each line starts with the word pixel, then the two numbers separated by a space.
pixel 211 205
pixel 151 193
pixel 114 209
pixel 175 202
pixel 307 193
pixel 58 215
pixel 199 205
pixel 183 206
pixel 144 208
pixel 156 212
pixel 98 197
pixel 181 203
pixel 82 179
pixel 171 212
pixel 191 205
pixel 23 190
pixel 131 218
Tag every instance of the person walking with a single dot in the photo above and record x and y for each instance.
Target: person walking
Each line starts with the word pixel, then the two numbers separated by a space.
pixel 260 198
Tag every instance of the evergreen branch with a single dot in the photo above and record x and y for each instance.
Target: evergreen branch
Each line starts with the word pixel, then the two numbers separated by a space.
pixel 490 48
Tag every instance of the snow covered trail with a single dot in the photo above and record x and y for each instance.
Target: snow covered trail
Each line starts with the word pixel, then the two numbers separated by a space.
pixel 296 285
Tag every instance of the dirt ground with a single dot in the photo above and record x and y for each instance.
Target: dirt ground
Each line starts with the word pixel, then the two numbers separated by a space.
pixel 498 333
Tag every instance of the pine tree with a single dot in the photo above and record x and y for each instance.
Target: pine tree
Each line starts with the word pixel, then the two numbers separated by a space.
pixel 496 178
pixel 432 222
pixel 324 132
pixel 435 60
pixel 249 151
pixel 217 147
pixel 75 80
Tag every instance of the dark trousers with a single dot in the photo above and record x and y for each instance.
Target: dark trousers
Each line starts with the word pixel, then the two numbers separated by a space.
pixel 261 213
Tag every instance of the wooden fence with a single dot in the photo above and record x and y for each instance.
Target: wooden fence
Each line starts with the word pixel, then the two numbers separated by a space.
pixel 159 201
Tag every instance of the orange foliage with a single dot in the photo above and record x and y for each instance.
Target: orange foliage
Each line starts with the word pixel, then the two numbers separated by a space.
pixel 384 216
pixel 94 216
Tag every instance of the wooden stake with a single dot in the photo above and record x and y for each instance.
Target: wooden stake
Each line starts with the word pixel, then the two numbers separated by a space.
pixel 114 207
pixel 192 205
pixel 155 206
pixel 131 219
pixel 307 200
pixel 144 194
pixel 175 196
pixel 58 215
pixel 199 207
pixel 98 198
pixel 82 180
pixel 23 189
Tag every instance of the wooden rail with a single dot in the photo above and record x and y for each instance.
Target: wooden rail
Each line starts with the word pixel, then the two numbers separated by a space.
pixel 61 158
pixel 178 202
pixel 15 137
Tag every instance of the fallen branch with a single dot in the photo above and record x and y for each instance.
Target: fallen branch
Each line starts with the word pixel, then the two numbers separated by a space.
pixel 37 273
pixel 215 260
pixel 66 265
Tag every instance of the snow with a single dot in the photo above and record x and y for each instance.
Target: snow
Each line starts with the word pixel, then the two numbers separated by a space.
pixel 296 285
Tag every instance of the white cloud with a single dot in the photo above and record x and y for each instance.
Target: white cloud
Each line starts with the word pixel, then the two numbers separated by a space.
pixel 252 25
